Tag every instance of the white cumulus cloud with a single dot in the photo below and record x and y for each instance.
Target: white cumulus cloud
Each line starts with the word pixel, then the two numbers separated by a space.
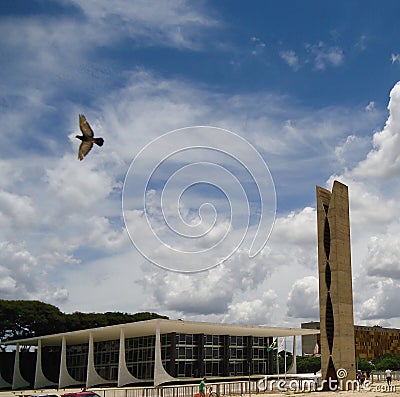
pixel 303 299
pixel 291 58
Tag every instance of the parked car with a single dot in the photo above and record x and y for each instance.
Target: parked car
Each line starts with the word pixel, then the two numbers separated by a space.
pixel 81 394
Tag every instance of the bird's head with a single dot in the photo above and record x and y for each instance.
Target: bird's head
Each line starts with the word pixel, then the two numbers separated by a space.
pixel 79 137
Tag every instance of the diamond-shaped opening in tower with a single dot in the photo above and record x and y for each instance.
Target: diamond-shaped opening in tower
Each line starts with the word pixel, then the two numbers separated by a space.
pixel 331 377
pixel 329 323
pixel 327 238
pixel 328 276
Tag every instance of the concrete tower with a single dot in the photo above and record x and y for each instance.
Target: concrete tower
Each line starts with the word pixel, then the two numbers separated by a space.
pixel 335 284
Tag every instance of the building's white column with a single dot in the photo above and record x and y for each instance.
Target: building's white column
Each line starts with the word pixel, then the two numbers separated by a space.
pixel 124 376
pixel 40 379
pixel 293 367
pixel 160 374
pixel 3 383
pixel 18 381
pixel 65 378
pixel 92 377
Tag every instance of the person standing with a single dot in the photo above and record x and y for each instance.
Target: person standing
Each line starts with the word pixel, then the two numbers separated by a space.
pixel 202 387
pixel 361 378
pixel 388 374
pixel 315 380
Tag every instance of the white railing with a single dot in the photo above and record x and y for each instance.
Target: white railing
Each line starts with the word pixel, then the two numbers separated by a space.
pixel 377 376
pixel 222 389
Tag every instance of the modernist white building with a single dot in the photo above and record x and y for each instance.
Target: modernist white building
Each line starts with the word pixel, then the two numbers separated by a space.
pixel 154 351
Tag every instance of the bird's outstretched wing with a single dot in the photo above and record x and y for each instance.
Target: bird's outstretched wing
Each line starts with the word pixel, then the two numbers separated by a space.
pixel 84 149
pixel 85 127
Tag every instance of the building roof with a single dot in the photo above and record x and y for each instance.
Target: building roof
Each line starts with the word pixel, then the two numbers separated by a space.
pixel 149 327
pixel 373 328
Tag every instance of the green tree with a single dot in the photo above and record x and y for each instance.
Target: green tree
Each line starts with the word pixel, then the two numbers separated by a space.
pixel 24 319
pixel 386 362
pixel 79 320
pixel 21 319
pixel 364 365
pixel 308 364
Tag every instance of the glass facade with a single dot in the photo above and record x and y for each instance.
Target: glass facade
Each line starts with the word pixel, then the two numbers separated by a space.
pixel 77 360
pixel 238 355
pixel 182 355
pixel 140 356
pixel 106 356
pixel 166 347
pixel 214 354
pixel 51 359
pixel 187 355
pixel 260 355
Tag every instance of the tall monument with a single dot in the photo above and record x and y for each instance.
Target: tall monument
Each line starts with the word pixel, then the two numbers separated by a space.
pixel 335 284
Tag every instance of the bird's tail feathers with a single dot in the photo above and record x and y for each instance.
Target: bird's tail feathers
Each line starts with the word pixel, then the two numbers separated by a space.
pixel 99 141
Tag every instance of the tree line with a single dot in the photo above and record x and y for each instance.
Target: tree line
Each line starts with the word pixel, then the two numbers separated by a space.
pixel 20 319
pixel 379 364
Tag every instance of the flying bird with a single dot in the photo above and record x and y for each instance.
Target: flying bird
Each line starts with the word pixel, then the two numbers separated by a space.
pixel 87 138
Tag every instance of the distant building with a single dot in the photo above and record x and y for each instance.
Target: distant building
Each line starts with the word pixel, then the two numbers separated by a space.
pixel 153 351
pixel 370 342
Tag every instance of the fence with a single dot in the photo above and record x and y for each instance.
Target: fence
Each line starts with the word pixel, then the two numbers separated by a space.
pixel 228 388
pixel 223 389
pixel 381 377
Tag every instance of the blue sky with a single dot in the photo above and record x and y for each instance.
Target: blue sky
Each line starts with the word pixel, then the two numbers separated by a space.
pixel 311 85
